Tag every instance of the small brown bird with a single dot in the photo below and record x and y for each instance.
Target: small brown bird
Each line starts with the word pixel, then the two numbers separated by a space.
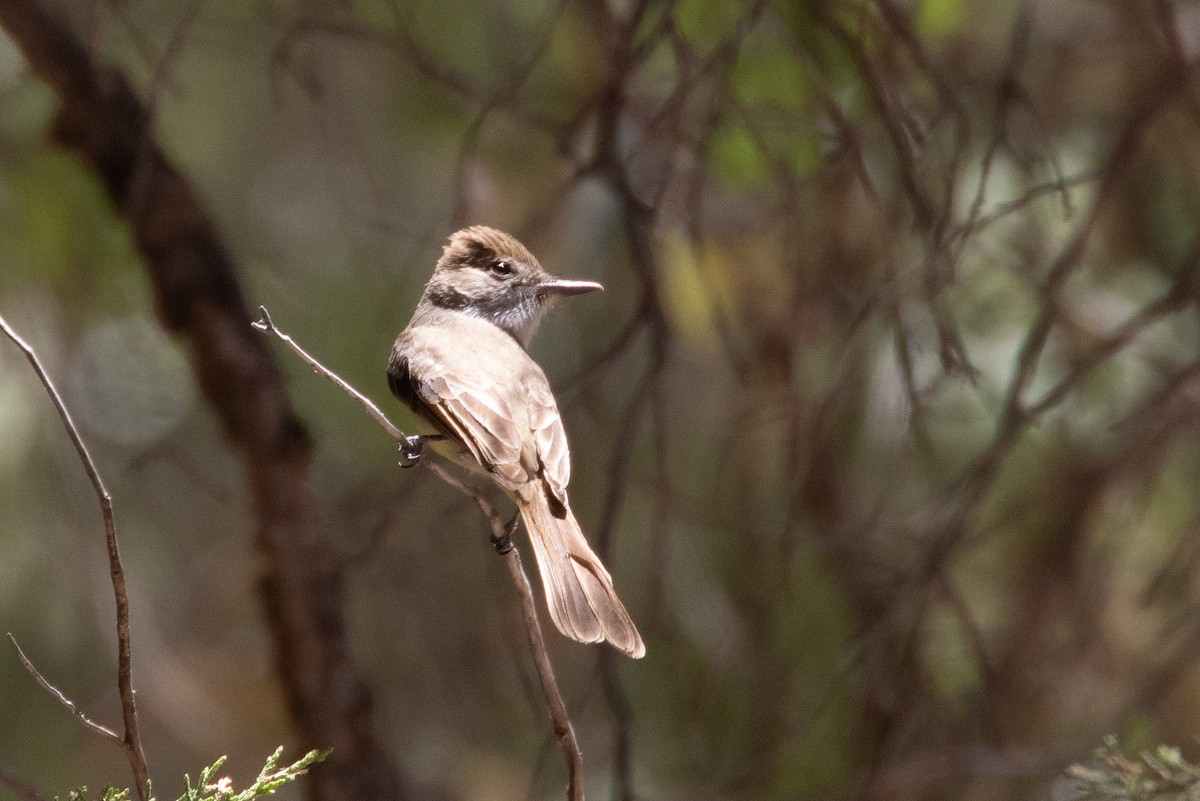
pixel 462 365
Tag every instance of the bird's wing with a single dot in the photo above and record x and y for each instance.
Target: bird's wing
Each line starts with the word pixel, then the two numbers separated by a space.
pixel 509 423
pixel 550 440
pixel 482 419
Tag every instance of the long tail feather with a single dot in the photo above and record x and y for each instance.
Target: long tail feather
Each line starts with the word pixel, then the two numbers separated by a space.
pixel 579 591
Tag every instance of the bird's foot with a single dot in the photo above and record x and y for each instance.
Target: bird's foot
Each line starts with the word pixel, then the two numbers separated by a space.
pixel 503 543
pixel 412 449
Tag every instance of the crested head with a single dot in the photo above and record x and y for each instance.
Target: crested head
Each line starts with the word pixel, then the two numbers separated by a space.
pixel 478 244
pixel 487 273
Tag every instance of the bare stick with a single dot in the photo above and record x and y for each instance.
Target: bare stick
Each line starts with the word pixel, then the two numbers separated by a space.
pixel 563 729
pixel 266 324
pixel 132 741
pixel 502 541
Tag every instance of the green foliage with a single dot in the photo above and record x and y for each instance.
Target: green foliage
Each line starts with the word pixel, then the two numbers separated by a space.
pixel 737 159
pixel 211 788
pixel 940 17
pixel 107 794
pixel 1163 775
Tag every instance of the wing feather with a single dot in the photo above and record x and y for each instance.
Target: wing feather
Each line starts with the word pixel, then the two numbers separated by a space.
pixel 549 438
pixel 478 407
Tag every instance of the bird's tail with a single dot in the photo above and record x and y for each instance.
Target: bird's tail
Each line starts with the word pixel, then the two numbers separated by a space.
pixel 579 591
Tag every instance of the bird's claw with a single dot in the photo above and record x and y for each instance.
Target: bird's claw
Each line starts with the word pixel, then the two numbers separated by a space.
pixel 503 544
pixel 411 450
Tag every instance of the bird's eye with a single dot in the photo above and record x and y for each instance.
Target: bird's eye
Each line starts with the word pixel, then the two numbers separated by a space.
pixel 500 268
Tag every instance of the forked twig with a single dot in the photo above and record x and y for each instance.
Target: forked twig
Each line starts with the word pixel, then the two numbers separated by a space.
pixel 500 538
pixel 131 742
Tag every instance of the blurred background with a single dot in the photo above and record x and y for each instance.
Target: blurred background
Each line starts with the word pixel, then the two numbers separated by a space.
pixel 887 423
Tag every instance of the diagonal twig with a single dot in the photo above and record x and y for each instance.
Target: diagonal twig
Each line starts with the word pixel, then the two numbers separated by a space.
pixel 131 741
pixel 71 706
pixel 264 323
pixel 500 538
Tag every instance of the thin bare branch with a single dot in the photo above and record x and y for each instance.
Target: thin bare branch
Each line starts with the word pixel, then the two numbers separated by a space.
pixel 131 742
pixel 71 706
pixel 561 720
pixel 264 323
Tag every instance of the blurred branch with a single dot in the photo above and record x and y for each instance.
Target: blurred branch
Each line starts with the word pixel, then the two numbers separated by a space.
pixel 640 208
pixel 622 712
pixel 501 97
pixel 198 295
pixel 404 45
pixel 1058 186
pixel 1119 160
pixel 501 539
pixel 1174 300
pixel 132 741
pixel 893 115
pixel 1008 92
pixel 972 483
pixel 21 789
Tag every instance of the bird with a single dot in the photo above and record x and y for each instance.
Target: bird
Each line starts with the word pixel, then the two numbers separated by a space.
pixel 462 365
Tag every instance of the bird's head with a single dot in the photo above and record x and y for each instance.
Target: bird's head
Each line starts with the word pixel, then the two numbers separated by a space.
pixel 488 274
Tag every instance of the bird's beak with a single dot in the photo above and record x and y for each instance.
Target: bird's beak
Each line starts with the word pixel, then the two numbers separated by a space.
pixel 565 286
